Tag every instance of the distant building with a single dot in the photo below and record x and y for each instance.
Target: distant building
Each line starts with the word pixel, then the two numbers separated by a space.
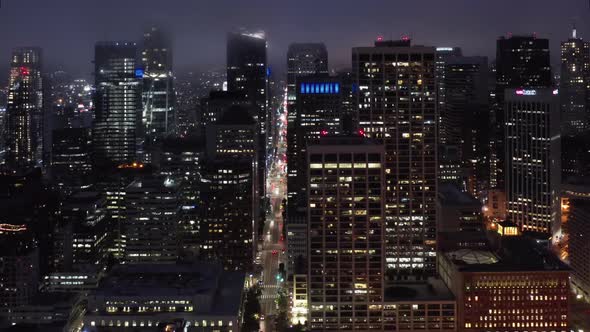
pixel 25 110
pixel 345 233
pixel 458 211
pixel 20 266
pixel 118 103
pixel 193 297
pixel 151 221
pixel 573 87
pixel 319 105
pixel 230 219
pixel 303 60
pixel 521 62
pixel 518 287
pixel 182 160
pixel 159 110
pixel 533 159
pixel 247 72
pixel 442 55
pixel 464 121
pixel 71 158
pixel 82 235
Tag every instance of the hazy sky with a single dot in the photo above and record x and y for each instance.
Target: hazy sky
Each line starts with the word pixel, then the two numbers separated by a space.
pixel 68 29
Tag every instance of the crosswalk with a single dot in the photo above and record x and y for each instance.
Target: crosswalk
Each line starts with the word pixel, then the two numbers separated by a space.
pixel 269 296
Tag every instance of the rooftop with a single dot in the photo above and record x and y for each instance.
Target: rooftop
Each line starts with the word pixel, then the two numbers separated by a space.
pixel 451 195
pixel 515 253
pixel 209 280
pixel 433 289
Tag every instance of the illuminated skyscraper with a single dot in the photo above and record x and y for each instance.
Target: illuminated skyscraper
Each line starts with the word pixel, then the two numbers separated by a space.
pixel 319 105
pixel 397 105
pixel 521 62
pixel 303 60
pixel 464 124
pixel 247 73
pixel 345 233
pixel 118 102
pixel 533 159
pixel 25 110
pixel 573 89
pixel 159 117
pixel 443 54
pixel 229 224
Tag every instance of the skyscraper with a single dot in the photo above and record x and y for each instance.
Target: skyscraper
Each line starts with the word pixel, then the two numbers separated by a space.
pixel 464 121
pixel 247 73
pixel 533 159
pixel 345 233
pixel 303 59
pixel 521 62
pixel 118 102
pixel 319 106
pixel 443 54
pixel 159 111
pixel 229 224
pixel 151 220
pixel 396 102
pixel 573 89
pixel 25 109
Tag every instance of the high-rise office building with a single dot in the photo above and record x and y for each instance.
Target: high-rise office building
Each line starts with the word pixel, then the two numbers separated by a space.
pixel 443 54
pixel 118 102
pixel 71 160
pixel 151 221
pixel 159 116
pixel 303 60
pixel 463 121
pixel 573 88
pixel 247 73
pixel 182 160
pixel 397 105
pixel 25 110
pixel 577 218
pixel 521 62
pixel 533 158
pixel 319 106
pixel 345 233
pixel 229 224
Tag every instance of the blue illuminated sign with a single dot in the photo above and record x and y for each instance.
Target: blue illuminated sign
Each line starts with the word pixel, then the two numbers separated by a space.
pixel 139 73
pixel 319 88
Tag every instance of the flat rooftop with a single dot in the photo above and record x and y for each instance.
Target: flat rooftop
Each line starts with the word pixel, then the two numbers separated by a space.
pixel 209 280
pixel 515 253
pixel 433 289
pixel 451 195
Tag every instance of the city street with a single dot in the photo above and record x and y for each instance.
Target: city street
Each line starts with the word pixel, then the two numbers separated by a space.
pixel 273 243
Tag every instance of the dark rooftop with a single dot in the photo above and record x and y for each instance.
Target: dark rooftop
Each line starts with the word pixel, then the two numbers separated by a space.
pixel 515 253
pixel 451 195
pixel 236 115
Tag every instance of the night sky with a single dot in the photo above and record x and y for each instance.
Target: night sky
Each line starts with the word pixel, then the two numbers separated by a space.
pixel 68 29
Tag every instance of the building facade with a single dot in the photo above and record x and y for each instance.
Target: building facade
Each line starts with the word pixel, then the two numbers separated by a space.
pixel 118 102
pixel 25 110
pixel 346 230
pixel 396 100
pixel 521 62
pixel 573 88
pixel 158 98
pixel 533 159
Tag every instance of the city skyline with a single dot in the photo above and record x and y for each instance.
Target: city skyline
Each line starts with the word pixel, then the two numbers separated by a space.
pixel 471 26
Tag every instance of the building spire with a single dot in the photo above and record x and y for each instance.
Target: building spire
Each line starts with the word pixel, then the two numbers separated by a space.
pixel 574 31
